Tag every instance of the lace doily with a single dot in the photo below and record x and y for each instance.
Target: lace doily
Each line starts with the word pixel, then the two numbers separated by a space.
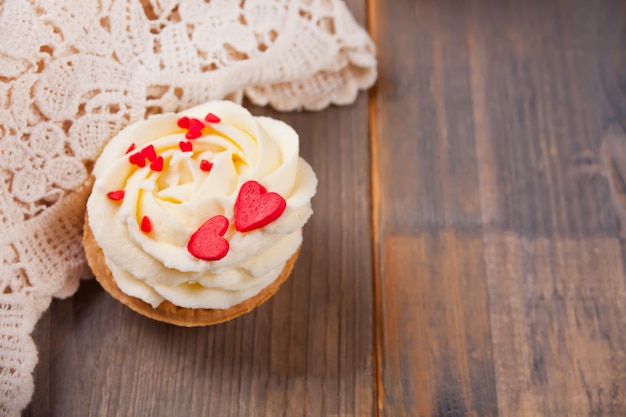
pixel 73 73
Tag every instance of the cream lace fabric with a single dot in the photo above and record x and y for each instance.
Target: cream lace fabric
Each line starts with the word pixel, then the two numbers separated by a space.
pixel 73 73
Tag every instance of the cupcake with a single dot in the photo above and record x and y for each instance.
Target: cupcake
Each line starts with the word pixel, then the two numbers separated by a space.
pixel 196 218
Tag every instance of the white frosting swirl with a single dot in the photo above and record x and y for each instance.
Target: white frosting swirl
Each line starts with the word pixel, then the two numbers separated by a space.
pixel 156 265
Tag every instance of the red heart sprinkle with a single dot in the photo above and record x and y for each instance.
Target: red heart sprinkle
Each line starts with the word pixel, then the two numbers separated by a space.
pixel 206 165
pixel 196 124
pixel 193 134
pixel 183 122
pixel 185 146
pixel 211 118
pixel 157 165
pixel 130 148
pixel 207 242
pixel 194 127
pixel 116 195
pixel 137 159
pixel 255 207
pixel 146 225
pixel 149 153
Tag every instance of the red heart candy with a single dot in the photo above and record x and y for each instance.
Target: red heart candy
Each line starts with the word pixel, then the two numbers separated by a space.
pixel 116 195
pixel 206 165
pixel 196 124
pixel 157 165
pixel 193 134
pixel 146 224
pixel 185 146
pixel 183 122
pixel 195 129
pixel 207 242
pixel 149 153
pixel 211 118
pixel 255 207
pixel 137 159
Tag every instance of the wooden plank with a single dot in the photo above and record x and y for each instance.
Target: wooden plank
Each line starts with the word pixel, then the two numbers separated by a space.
pixel 557 314
pixel 555 274
pixel 499 264
pixel 434 321
pixel 437 360
pixel 537 88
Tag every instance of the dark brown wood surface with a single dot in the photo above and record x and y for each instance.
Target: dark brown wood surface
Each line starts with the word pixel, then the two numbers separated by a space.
pixel 466 256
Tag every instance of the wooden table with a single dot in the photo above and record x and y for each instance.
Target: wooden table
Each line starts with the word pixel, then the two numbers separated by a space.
pixel 465 257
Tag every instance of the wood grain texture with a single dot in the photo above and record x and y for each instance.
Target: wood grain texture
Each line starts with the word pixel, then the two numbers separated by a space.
pixel 482 274
pixel 436 342
pixel 557 325
pixel 499 264
pixel 308 351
